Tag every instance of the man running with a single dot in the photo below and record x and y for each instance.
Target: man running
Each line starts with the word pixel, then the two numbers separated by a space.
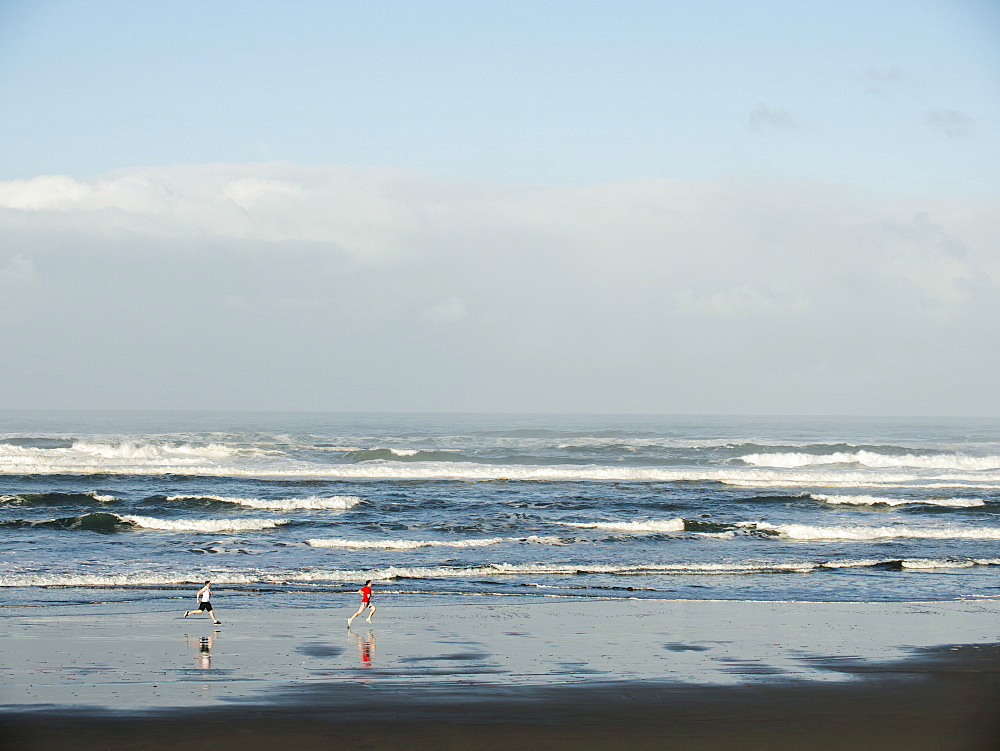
pixel 366 602
pixel 204 598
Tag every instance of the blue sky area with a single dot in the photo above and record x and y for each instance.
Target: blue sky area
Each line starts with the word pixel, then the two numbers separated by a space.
pixel 777 207
pixel 891 94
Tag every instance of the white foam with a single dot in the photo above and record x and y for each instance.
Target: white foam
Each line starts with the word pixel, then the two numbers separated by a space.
pixel 141 578
pixel 198 462
pixel 665 525
pixel 874 459
pixel 807 532
pixel 913 563
pixel 865 480
pixel 851 563
pixel 390 573
pixel 935 563
pixel 123 457
pixel 120 580
pixel 335 542
pixel 102 498
pixel 868 500
pixel 336 503
pixel 151 451
pixel 203 525
pixel 555 569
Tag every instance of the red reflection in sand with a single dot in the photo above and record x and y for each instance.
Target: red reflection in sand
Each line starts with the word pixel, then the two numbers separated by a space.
pixel 366 648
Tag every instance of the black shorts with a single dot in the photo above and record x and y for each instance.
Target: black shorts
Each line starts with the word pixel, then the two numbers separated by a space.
pixel 205 606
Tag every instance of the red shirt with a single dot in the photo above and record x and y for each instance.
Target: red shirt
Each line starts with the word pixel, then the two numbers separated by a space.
pixel 366 593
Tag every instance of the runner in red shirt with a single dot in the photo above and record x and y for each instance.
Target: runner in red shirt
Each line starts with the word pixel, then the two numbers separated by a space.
pixel 366 602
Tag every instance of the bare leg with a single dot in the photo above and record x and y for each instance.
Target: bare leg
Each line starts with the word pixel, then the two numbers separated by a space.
pixel 370 613
pixel 349 620
pixel 214 618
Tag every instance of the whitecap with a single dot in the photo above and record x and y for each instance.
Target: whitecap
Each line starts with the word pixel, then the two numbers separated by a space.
pixel 202 525
pixel 808 532
pixel 336 542
pixel 868 500
pixel 652 526
pixel 335 503
pixel 873 459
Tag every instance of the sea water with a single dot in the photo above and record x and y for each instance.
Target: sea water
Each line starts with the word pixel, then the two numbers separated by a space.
pixel 280 508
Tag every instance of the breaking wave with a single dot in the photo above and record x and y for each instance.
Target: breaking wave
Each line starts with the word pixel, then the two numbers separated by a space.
pixel 666 525
pixel 55 499
pixel 411 544
pixel 808 532
pixel 108 523
pixel 97 522
pixel 874 459
pixel 868 500
pixel 203 525
pixel 203 462
pixel 400 455
pixel 336 503
pixel 500 570
pixel 93 457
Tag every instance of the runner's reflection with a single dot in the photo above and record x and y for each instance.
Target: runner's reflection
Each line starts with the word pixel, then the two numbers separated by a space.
pixel 366 648
pixel 203 649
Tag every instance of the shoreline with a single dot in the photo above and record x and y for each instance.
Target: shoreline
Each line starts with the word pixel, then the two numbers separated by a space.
pixel 553 674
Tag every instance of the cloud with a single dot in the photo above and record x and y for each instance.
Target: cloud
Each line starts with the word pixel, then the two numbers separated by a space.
pixel 763 116
pixel 933 261
pixel 951 123
pixel 289 287
pixel 269 203
pixel 881 81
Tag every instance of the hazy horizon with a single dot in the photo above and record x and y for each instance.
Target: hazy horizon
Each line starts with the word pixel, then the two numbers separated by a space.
pixel 767 208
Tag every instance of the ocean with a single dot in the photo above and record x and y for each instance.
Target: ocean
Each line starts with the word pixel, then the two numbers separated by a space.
pixel 291 508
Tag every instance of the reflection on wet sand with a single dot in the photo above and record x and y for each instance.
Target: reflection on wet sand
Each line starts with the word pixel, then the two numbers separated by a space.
pixel 366 648
pixel 202 646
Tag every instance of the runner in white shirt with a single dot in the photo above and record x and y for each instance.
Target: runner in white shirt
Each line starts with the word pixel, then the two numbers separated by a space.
pixel 204 598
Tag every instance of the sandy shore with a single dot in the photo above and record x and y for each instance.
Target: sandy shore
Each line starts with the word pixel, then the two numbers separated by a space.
pixel 505 673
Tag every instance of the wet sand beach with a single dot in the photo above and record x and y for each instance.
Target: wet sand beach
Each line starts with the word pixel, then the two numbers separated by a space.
pixel 504 673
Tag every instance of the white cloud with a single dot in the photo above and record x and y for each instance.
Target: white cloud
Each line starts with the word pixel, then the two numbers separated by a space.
pixel 44 192
pixel 248 192
pixel 284 286
pixel 934 262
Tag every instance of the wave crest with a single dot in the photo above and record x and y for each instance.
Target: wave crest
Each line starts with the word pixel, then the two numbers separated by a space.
pixel 335 503
pixel 653 526
pixel 873 459
pixel 808 532
pixel 203 525
pixel 868 500
pixel 411 544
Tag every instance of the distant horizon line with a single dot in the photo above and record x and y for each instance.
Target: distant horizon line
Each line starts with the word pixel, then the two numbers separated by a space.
pixel 507 413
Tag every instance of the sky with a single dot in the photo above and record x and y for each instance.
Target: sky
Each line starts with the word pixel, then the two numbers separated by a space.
pixel 755 207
